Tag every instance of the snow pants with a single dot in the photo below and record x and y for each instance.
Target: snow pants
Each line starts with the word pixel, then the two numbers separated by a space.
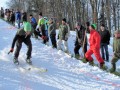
pixel 96 52
pixel 28 43
pixel 59 45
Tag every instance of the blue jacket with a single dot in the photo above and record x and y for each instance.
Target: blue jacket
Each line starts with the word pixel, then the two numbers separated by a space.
pixel 18 16
pixel 33 20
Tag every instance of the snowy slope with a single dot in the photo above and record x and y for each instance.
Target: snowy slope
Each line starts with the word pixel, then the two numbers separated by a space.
pixel 64 73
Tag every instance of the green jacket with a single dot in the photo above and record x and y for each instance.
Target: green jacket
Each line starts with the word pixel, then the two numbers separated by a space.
pixel 63 30
pixel 41 21
pixel 52 29
pixel 116 44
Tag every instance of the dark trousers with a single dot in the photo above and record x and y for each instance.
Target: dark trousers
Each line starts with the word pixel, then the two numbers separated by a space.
pixel 53 40
pixel 78 46
pixel 28 43
pixel 34 27
pixel 104 51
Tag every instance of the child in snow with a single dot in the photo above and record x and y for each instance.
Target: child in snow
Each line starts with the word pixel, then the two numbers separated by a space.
pixel 23 35
pixel 62 36
pixel 116 50
pixel 94 41
pixel 52 33
pixel 80 42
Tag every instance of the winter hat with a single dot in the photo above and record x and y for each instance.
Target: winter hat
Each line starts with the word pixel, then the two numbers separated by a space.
pixel 27 26
pixel 64 19
pixel 103 25
pixel 77 24
pixel 93 26
pixel 40 14
pixel 88 23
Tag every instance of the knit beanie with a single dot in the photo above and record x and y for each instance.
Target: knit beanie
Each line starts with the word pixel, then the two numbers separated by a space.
pixel 93 26
pixel 64 19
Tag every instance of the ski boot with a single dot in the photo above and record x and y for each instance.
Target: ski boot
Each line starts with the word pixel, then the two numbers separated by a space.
pixel 113 69
pixel 15 60
pixel 84 60
pixel 91 63
pixel 102 66
pixel 77 56
pixel 29 61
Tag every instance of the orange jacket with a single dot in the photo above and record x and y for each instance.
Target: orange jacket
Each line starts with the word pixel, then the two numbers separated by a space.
pixel 94 40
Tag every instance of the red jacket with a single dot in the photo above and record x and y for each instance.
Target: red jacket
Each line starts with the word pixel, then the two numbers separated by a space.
pixel 94 40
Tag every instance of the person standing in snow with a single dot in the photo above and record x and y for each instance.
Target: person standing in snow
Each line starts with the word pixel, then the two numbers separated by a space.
pixel 116 50
pixel 62 36
pixel 52 33
pixel 80 36
pixel 94 41
pixel 12 17
pixel 105 39
pixel 46 26
pixel 2 12
pixel 34 24
pixel 41 26
pixel 22 35
pixel 18 18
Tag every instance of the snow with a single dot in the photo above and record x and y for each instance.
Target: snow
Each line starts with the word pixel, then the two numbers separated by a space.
pixel 64 72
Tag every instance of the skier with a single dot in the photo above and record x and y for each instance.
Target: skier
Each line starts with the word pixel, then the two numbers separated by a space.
pixel 41 25
pixel 52 33
pixel 116 50
pixel 62 36
pixel 94 41
pixel 80 36
pixel 34 24
pixel 22 35
pixel 105 39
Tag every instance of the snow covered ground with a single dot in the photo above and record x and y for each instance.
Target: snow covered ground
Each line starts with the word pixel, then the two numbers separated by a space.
pixel 64 73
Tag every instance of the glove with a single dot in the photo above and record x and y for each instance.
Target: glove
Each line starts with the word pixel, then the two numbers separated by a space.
pixel 43 37
pixel 11 50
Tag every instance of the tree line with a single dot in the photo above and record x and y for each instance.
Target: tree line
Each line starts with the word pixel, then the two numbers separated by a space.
pixel 94 11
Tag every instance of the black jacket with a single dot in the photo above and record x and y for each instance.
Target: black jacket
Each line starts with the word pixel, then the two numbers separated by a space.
pixel 105 36
pixel 20 36
pixel 80 36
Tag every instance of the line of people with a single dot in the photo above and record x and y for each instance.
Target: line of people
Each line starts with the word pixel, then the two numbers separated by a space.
pixel 47 29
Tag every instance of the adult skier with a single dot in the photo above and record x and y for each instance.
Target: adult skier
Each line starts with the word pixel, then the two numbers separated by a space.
pixel 22 35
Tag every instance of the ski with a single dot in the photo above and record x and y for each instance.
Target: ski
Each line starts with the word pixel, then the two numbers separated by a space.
pixel 30 67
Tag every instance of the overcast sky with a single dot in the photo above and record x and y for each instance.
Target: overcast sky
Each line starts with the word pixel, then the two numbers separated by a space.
pixel 3 3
